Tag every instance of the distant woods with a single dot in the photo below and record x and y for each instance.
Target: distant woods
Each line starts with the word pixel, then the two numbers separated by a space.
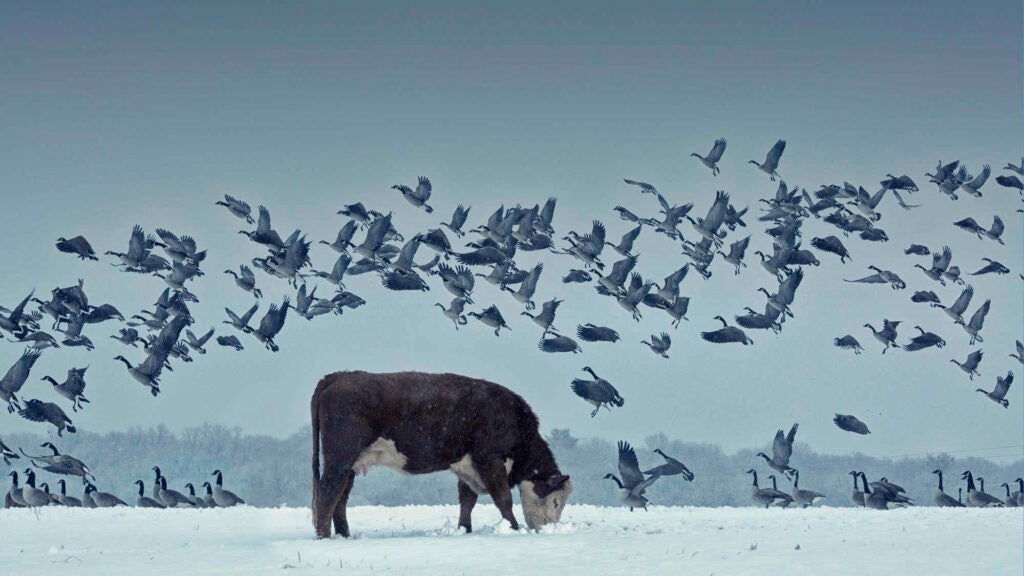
pixel 275 471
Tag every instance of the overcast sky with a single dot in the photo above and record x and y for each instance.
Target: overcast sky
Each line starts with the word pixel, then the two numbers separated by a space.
pixel 116 114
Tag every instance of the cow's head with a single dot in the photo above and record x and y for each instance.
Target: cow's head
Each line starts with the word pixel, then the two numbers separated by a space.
pixel 544 498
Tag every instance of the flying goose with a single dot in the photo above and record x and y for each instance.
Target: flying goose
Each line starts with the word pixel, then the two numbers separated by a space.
pixel 39 411
pixel 626 215
pixel 977 322
pixel 245 280
pixel 709 225
pixel 850 423
pixel 998 394
pixel 867 203
pixel 593 333
pixel 458 219
pixel 633 484
pixel 804 498
pixel 343 240
pixel 102 499
pixel 1020 352
pixel 955 312
pixel 236 207
pixel 264 234
pixel 973 187
pixel 492 317
pixel 953 274
pixel 832 245
pixel 15 378
pixel 902 203
pixel 927 296
pixel 454 311
pixel 668 292
pixel 765 496
pixel 419 196
pixel 659 344
pixel 64 499
pixel 887 335
pixel 143 501
pixel 711 160
pixel 359 213
pixel 848 342
pixel 39 340
pixel 459 281
pixel 230 341
pixel 881 277
pixel 224 498
pixel 526 290
pixel 996 231
pixel 917 250
pixel 736 252
pixel 625 245
pixel 940 263
pixel 970 366
pixel 678 310
pixel 924 340
pixel 991 267
pixel 979 499
pixel 576 276
pixel 558 343
pixel 597 392
pixel 77 245
pixel 758 321
pixel 671 467
pixel 782 449
pixel 197 343
pixel 375 237
pixel 970 225
pixel 271 324
pixel 148 372
pixel 943 499
pixel 403 281
pixel 72 388
pixel 287 265
pixel 547 315
pixel 726 334
pixel 645 188
pixel 771 160
pixel 58 463
pixel 899 183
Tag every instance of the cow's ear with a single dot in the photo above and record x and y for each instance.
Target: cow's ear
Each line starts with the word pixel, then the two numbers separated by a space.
pixel 556 482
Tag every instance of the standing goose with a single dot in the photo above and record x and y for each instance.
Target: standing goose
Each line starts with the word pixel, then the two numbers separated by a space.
pixel 711 160
pixel 39 411
pixel 671 467
pixel 592 333
pixel 848 342
pixel 633 484
pixel 143 501
pixel 924 340
pixel 197 501
pixel 970 366
pixel 726 334
pixel 245 280
pixel 454 311
pixel 492 317
pixel 64 499
pixel 102 499
pixel 782 450
pixel 458 220
pixel 764 496
pixel 850 423
pixel 857 496
pixel 882 497
pixel 172 498
pixel 887 335
pixel 771 160
pixel 804 498
pixel 208 499
pixel 54 498
pixel 998 394
pixel 943 499
pixel 1011 499
pixel 77 245
pixel 1020 491
pixel 15 378
pixel 33 496
pixel 15 492
pixel 224 498
pixel 659 344
pixel 72 388
pixel 977 322
pixel 419 196
pixel 597 392
pixel 236 207
pixel 547 315
pixel 979 499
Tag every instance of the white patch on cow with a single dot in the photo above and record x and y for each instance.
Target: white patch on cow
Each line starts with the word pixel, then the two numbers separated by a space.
pixel 466 472
pixel 540 511
pixel 381 453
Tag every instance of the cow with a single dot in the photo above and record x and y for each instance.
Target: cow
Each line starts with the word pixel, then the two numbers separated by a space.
pixel 419 423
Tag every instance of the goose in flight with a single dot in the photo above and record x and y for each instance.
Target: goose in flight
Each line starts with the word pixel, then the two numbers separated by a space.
pixel 711 160
pixel 419 196
pixel 782 450
pixel 597 392
pixel 998 394
pixel 771 160
pixel 632 485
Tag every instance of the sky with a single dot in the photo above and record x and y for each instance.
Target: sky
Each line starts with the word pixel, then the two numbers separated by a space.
pixel 120 113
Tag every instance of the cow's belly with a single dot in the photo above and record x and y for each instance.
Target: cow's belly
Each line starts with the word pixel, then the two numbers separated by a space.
pixel 383 452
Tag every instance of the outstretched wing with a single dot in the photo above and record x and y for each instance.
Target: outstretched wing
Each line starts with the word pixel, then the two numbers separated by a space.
pixel 629 467
pixel 716 151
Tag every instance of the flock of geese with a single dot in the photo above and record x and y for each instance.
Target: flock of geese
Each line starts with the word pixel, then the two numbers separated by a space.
pixel 368 243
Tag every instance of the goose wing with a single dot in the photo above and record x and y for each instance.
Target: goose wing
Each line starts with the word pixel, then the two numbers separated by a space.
pixel 1003 385
pixel 771 161
pixel 716 151
pixel 629 467
pixel 978 319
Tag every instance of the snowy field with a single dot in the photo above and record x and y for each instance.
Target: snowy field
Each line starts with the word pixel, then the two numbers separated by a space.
pixel 591 540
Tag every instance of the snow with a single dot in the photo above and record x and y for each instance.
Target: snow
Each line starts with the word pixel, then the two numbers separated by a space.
pixel 589 540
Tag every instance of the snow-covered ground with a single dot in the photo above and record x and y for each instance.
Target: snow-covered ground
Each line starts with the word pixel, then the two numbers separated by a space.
pixel 591 540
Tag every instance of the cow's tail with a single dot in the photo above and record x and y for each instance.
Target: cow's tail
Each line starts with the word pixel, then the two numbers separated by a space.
pixel 315 416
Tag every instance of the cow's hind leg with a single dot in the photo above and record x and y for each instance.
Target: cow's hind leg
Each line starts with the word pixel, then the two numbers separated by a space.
pixel 495 479
pixel 340 513
pixel 336 481
pixel 467 500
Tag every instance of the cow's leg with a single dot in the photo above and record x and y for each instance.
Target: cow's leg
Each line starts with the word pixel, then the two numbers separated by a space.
pixel 340 516
pixel 347 441
pixel 467 500
pixel 495 479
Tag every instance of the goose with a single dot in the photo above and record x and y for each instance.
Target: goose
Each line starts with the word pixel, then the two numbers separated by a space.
pixel 899 183
pixel 857 496
pixel 436 240
pixel 634 295
pixel 633 484
pixel 180 274
pixel 526 290
pixel 953 274
pixel 625 245
pixel 1019 170
pixel 375 237
pixel 781 300
pixel 58 463
pixel 485 256
pixel 343 240
pixel 39 340
pixel 977 322
pixel 973 187
pixel 832 245
pixel 236 207
pixel 546 216
pixel 998 394
pixel 669 290
pixel 39 411
pixel 783 502
pixel 1020 492
pixel 970 366
pixel 867 203
pixel 960 495
pixel 902 204
pixel 917 250
pixel 882 497
pixel 576 276
pixel 403 281
pixel 454 311
pixel 881 277
pixel 406 256
pixel 224 498
pixel 264 234
pixel 1010 181
pixel 625 214
pixel 726 334
pixel 850 423
pixel 287 264
pixel 1020 352
pixel 979 499
pixel 952 181
pixel 592 333
pixel 148 373
pixel 419 196
pixel 304 300
pixel 943 499
pixel 458 219
pixel 711 160
pixel 15 378
pixel 991 267
pixel 734 218
pixel 924 340
pixel 757 321
pixel 54 500
pixel 197 342
pixel 230 341
pixel 459 281
pixel 940 263
pixel 804 498
pixel 33 496
pixel 77 245
pixel 764 496
pixel 678 310
pixel 245 280
pixel 613 282
pixel 874 235
pixel 359 213
pixel 143 501
pixel 887 335
pixel 645 188
pixel 15 493
pixel 169 498
pixel 782 449
pixel 72 388
pixel 671 467
pixel 197 501
pixel 955 312
pixel 970 225
pixel 736 252
pixel 547 315
pixel 659 344
pixel 139 246
pixel 928 296
pixel 208 499
pixel 708 227
pixel 181 249
pixel 771 160
pixel 346 299
pixel 558 343
pixel 597 392
pixel 588 247
pixel 995 232
pixel 6 454
pixel 87 498
pixel 1011 499
pixel 102 499
pixel 492 317
pixel 64 499
pixel 271 324
pixel 73 334
pixel 848 342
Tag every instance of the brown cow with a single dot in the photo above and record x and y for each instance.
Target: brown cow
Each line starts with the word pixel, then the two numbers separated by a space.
pixel 420 423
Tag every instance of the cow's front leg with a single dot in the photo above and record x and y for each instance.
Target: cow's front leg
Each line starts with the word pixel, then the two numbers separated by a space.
pixel 495 480
pixel 467 500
